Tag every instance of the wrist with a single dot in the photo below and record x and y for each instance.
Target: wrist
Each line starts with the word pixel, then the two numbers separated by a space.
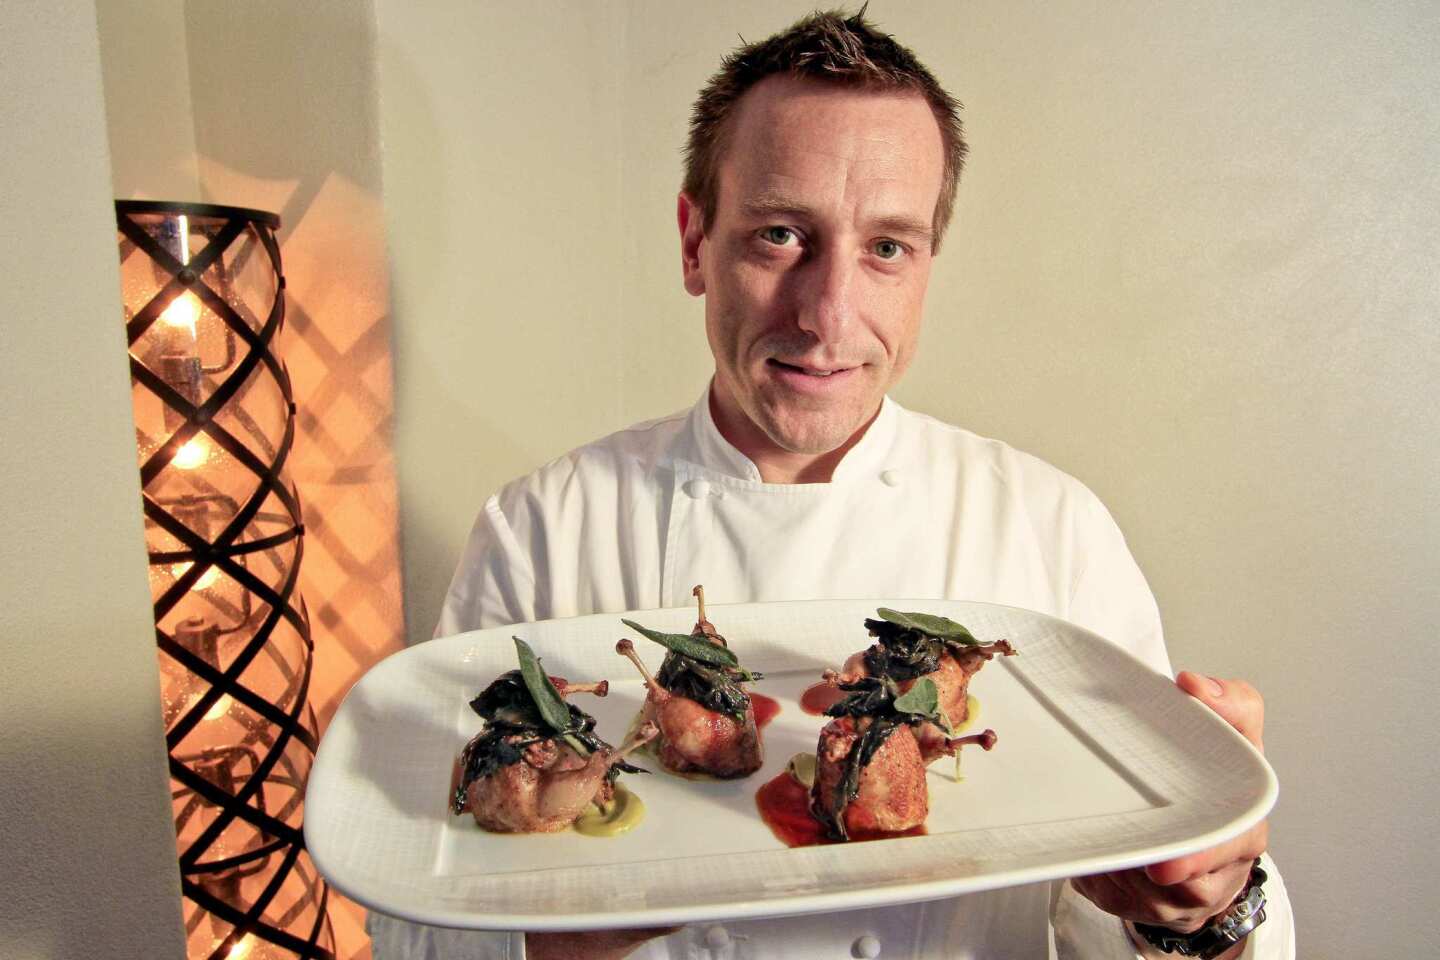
pixel 1222 937
pixel 1148 952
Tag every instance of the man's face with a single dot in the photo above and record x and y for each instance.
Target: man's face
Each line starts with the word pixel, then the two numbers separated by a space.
pixel 815 266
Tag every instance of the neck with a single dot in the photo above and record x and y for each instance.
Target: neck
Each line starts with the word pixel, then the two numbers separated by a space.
pixel 775 463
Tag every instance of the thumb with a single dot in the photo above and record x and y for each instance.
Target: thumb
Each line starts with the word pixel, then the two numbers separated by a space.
pixel 1237 702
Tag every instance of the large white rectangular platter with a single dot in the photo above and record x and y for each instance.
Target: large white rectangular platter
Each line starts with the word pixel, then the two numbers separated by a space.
pixel 1101 764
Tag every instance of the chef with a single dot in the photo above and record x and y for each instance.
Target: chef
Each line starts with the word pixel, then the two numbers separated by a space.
pixel 821 172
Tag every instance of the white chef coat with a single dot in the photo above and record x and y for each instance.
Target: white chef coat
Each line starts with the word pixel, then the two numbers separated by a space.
pixel 917 509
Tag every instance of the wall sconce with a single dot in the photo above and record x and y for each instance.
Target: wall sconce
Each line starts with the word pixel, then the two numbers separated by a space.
pixel 214 422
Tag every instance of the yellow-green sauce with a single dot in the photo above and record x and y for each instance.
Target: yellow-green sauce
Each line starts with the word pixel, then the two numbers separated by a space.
pixel 624 811
pixel 802 769
pixel 972 713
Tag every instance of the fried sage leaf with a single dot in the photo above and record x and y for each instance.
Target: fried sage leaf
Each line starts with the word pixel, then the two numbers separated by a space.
pixel 553 708
pixel 693 647
pixel 923 700
pixel 941 628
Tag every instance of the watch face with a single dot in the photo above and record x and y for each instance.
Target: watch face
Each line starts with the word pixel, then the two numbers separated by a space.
pixel 1245 916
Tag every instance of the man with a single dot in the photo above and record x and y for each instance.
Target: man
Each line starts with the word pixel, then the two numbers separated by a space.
pixel 821 173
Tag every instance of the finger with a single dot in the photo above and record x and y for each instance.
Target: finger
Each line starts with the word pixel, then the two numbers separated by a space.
pixel 1243 849
pixel 1237 702
pixel 1105 891
pixel 1128 894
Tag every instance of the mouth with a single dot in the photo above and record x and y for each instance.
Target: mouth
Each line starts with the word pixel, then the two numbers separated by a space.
pixel 818 373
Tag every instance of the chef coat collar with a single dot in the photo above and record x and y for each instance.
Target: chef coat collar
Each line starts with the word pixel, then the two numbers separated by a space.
pixel 716 453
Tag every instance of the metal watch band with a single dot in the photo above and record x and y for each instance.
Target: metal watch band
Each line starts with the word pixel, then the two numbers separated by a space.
pixel 1224 931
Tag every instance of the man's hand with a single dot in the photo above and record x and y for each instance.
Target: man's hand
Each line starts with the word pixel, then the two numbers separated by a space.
pixel 1184 893
pixel 589 945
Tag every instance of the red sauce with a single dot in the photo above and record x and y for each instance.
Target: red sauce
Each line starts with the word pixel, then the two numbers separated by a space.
pixel 784 805
pixel 819 697
pixel 765 708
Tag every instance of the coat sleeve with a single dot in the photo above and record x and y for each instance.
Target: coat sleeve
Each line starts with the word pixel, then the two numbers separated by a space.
pixel 1109 594
pixel 494 582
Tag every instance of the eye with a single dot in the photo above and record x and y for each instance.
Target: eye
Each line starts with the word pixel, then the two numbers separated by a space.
pixel 779 236
pixel 888 249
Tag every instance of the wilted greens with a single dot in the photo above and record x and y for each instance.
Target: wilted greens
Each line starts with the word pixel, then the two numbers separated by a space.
pixel 911 643
pixel 699 669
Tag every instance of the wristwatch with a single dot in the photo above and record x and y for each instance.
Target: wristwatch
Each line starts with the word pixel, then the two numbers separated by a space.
pixel 1224 931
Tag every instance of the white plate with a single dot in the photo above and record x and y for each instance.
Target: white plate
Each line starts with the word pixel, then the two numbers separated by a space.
pixel 1101 764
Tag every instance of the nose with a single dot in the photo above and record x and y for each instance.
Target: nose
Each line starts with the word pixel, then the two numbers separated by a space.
pixel 827 297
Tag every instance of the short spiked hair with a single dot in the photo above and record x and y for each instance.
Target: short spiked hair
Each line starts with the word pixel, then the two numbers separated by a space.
pixel 832 48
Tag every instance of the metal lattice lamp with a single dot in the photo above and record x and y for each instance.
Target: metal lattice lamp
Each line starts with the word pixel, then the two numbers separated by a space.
pixel 214 421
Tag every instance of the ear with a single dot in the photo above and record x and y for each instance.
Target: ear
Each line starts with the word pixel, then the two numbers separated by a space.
pixel 692 235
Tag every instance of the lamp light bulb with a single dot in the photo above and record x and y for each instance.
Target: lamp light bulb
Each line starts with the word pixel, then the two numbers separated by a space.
pixel 207 579
pixel 241 949
pixel 191 455
pixel 183 313
pixel 221 707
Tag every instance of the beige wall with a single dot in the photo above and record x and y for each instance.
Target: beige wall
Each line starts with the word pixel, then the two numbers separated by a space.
pixel 1193 265
pixel 84 807
pixel 505 218
pixel 149 112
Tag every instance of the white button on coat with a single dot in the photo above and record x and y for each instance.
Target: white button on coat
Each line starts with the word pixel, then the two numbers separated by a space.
pixel 865 948
pixel 697 489
pixel 717 938
pixel 891 478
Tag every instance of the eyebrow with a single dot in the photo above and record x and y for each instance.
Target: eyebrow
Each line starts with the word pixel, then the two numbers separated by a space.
pixel 776 205
pixel 781 206
pixel 907 227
